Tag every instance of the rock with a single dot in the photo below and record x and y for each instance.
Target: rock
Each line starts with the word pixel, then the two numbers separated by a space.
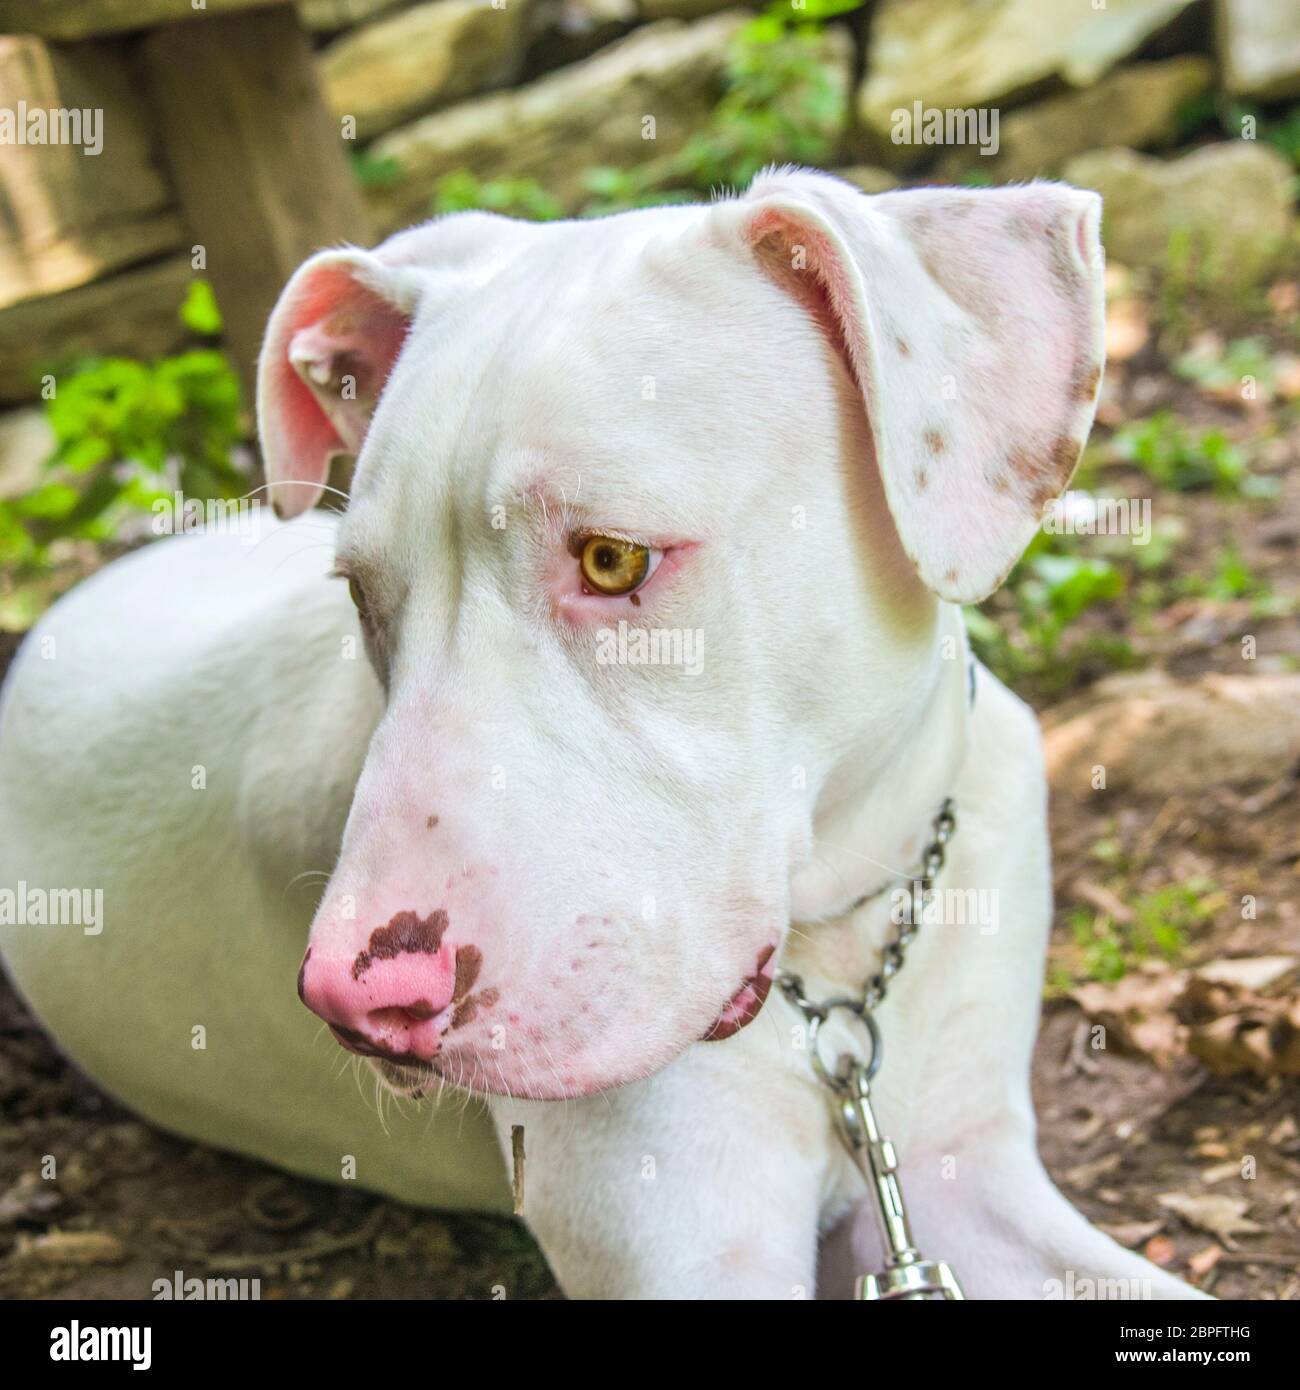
pixel 71 216
pixel 329 16
pixel 1139 106
pixel 1259 48
pixel 26 441
pixel 682 9
pixel 1163 737
pixel 420 59
pixel 591 114
pixel 57 19
pixel 868 178
pixel 564 31
pixel 134 314
pixel 1218 216
pixel 952 54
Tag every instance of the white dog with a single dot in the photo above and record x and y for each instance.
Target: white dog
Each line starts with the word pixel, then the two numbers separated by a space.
pixel 652 668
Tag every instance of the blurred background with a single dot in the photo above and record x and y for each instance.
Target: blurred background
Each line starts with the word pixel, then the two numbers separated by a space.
pixel 1152 624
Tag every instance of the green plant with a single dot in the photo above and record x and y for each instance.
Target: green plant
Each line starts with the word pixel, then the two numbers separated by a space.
pixel 1051 588
pixel 1177 458
pixel 1227 370
pixel 782 103
pixel 1157 927
pixel 374 171
pixel 126 433
pixel 462 191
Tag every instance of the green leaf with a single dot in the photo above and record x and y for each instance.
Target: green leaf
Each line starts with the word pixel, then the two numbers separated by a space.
pixel 199 312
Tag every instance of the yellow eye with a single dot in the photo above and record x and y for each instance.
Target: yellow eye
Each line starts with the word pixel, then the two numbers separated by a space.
pixel 613 566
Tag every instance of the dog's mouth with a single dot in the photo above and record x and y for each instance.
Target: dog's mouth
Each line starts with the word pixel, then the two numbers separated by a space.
pixel 744 1006
pixel 404 1078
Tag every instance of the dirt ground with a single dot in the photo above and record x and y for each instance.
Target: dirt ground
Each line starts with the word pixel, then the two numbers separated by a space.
pixel 1118 1132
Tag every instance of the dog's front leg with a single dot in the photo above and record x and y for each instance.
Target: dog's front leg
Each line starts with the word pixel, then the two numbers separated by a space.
pixel 702 1182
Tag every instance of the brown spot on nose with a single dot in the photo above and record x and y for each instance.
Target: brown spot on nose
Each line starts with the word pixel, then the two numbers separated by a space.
pixel 407 933
pixel 469 961
pixel 302 971
pixel 431 822
pixel 467 1009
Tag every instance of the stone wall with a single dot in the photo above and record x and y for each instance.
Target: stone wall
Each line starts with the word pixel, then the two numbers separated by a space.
pixel 91 251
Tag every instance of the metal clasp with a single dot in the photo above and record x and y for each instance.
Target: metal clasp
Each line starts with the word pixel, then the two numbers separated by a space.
pixel 906 1274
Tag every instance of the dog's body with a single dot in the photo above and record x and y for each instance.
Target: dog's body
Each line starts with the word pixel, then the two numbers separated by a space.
pixel 553 877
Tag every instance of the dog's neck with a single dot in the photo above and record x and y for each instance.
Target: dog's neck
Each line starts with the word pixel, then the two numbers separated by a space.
pixel 875 834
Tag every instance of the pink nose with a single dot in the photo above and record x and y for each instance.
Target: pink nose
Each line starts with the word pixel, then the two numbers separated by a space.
pixel 394 998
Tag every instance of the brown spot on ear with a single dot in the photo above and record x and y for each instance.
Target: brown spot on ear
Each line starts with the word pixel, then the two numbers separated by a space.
pixel 431 822
pixel 469 961
pixel 1065 454
pixel 406 934
pixel 1043 478
pixel 1065 270
pixel 903 349
pixel 922 479
pixel 933 441
pixel 1085 386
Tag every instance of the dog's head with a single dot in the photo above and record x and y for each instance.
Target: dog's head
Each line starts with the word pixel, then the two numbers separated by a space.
pixel 649 527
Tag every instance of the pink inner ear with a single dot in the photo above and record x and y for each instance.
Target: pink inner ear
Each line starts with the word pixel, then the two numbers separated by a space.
pixel 819 285
pixel 330 347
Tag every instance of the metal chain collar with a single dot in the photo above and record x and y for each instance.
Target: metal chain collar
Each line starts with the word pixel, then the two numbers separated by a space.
pixel 906 1276
pixel 895 952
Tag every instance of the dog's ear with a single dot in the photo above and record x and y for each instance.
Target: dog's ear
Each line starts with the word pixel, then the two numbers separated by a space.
pixel 972 323
pixel 330 344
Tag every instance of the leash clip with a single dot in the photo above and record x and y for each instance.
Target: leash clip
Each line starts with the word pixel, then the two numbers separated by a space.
pixel 907 1276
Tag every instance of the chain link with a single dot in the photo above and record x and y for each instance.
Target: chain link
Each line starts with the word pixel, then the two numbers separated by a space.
pixel 894 953
pixel 906 1275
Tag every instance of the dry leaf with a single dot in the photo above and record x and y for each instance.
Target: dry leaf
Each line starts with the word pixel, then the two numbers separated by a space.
pixel 1218 1216
pixel 1250 972
pixel 1204 1261
pixel 1085 1175
pixel 71 1248
pixel 1160 1250
pixel 1137 1011
pixel 1263 1038
pixel 1130 1233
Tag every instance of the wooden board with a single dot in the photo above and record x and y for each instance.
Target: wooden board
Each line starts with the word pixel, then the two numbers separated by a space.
pixel 133 314
pixel 255 158
pixel 80 19
pixel 71 213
